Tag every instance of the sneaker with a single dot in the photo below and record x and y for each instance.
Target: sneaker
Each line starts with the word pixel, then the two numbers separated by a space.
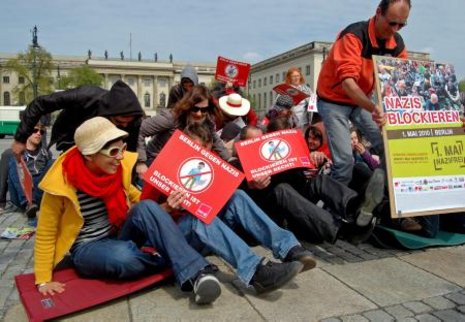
pixel 271 276
pixel 298 253
pixel 373 196
pixel 357 234
pixel 31 211
pixel 206 289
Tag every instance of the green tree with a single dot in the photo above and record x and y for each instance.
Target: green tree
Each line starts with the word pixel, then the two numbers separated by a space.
pixel 23 65
pixel 79 76
pixel 462 86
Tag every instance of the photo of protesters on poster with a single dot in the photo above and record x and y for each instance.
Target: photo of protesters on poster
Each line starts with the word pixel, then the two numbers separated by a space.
pixel 423 139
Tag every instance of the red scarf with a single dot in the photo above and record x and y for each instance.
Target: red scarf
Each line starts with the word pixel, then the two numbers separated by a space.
pixel 108 187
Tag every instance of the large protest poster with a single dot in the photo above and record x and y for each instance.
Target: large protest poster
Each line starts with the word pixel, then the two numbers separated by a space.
pixel 273 153
pixel 207 180
pixel 228 70
pixel 423 138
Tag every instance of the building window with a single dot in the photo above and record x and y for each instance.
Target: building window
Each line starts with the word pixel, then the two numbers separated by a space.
pixel 21 80
pixel 22 98
pixel 259 83
pixel 147 100
pixel 6 80
pixel 6 98
pixel 284 76
pixel 254 83
pixel 300 70
pixel 147 82
pixel 277 78
pixel 202 83
pixel 271 98
pixel 271 79
pixel 264 81
pixel 254 101
pixel 307 70
pixel 163 100
pixel 259 101
pixel 264 99
pixel 162 82
pixel 131 81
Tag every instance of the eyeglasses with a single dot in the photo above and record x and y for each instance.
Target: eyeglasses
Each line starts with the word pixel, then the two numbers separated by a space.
pixel 195 109
pixel 113 151
pixel 36 130
pixel 398 24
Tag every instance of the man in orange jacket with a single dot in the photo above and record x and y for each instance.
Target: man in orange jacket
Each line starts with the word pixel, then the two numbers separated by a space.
pixel 346 81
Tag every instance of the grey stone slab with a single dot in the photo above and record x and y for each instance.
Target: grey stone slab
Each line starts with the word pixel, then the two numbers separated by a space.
pixel 319 296
pixel 461 308
pixel 450 315
pixel 354 318
pixel 168 303
pixel 439 303
pixel 458 298
pixel 411 319
pixel 378 315
pixel 398 311
pixel 331 320
pixel 15 313
pixel 417 307
pixel 444 262
pixel 427 318
pixel 391 281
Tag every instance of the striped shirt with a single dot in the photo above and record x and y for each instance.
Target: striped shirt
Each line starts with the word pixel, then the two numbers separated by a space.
pixel 96 225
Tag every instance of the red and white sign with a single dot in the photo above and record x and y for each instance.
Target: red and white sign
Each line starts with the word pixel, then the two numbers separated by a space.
pixel 228 70
pixel 207 180
pixel 273 153
pixel 284 89
pixel 312 103
pixel 25 180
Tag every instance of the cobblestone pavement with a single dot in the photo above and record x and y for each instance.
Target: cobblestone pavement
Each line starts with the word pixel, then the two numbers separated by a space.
pixel 16 258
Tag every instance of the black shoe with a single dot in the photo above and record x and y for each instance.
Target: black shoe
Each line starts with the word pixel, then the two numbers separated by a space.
pixel 31 211
pixel 298 253
pixel 373 196
pixel 271 276
pixel 206 289
pixel 356 235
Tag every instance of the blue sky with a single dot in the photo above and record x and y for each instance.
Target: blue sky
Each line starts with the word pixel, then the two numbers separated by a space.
pixel 199 31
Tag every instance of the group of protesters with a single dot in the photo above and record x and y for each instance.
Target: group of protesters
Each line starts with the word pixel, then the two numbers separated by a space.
pixel 93 209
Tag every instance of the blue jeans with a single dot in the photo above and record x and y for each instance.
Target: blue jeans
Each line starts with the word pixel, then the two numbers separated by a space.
pixel 17 196
pixel 122 258
pixel 219 237
pixel 336 120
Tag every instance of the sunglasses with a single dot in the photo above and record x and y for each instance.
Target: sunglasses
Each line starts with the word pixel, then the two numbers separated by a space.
pixel 41 131
pixel 195 109
pixel 398 24
pixel 113 151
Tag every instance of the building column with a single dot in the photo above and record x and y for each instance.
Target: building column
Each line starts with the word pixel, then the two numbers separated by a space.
pixel 155 92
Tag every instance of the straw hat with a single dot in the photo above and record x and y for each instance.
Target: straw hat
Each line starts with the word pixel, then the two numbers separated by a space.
pixel 233 104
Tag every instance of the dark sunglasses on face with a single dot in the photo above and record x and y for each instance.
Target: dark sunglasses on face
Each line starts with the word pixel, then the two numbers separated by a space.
pixel 113 151
pixel 399 24
pixel 41 131
pixel 195 109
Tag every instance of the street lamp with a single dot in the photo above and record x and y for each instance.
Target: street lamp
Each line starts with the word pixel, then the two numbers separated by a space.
pixel 35 45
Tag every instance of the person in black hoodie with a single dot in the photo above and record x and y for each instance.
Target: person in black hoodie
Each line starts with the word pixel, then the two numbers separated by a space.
pixel 189 79
pixel 120 105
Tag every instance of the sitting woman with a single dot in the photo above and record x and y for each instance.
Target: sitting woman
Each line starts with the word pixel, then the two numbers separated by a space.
pixel 360 152
pixel 88 210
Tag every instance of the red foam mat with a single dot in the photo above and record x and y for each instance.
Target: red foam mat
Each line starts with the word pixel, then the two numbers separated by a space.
pixel 80 293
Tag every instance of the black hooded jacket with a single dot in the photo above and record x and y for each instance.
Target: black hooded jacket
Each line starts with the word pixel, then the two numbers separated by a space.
pixel 78 105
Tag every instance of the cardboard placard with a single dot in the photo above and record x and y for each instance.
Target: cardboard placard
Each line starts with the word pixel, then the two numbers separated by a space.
pixel 296 95
pixel 273 153
pixel 228 70
pixel 207 180
pixel 423 138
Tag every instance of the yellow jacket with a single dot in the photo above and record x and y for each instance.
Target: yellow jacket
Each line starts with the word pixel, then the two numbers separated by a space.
pixel 60 219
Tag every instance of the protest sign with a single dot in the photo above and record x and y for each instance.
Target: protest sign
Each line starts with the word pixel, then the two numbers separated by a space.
pixel 423 139
pixel 207 180
pixel 312 103
pixel 228 70
pixel 296 95
pixel 273 153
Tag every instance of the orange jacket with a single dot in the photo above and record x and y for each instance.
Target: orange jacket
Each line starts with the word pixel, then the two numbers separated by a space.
pixel 350 57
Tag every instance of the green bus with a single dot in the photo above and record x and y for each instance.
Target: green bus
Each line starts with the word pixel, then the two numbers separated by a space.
pixel 9 119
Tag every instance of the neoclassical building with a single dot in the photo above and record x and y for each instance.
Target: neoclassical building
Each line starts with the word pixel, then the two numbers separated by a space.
pixel 272 71
pixel 150 80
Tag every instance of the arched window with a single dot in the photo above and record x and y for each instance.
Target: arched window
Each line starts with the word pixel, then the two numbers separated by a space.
pixel 22 98
pixel 147 100
pixel 6 98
